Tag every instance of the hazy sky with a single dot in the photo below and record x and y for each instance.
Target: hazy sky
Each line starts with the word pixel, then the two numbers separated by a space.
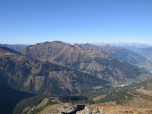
pixel 75 21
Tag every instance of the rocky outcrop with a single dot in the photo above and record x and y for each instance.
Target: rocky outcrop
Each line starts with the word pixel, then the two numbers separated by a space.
pixel 69 109
pixel 79 109
pixel 89 110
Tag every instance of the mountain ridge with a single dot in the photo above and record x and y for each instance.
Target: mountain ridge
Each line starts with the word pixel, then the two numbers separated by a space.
pixel 83 57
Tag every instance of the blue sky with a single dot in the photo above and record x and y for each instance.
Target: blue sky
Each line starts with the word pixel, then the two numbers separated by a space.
pixel 75 21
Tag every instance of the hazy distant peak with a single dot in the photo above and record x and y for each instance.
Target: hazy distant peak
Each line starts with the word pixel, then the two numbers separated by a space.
pixel 129 45
pixel 123 43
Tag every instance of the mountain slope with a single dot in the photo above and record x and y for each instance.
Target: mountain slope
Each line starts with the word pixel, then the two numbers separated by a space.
pixel 128 56
pixel 31 75
pixel 84 57
pixel 146 52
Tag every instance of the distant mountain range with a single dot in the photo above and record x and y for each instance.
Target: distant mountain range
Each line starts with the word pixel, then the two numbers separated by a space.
pixel 14 47
pixel 128 45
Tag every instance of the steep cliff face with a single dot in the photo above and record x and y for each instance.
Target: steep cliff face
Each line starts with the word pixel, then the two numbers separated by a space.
pixel 84 57
pixel 35 76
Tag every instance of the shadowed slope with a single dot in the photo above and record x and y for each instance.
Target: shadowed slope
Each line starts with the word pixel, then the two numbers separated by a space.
pixel 39 77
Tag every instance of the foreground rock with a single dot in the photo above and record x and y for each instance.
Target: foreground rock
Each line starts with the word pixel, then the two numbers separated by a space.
pixel 69 109
pixel 89 110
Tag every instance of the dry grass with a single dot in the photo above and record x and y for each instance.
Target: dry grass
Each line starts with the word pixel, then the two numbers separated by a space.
pixel 144 91
pixel 121 109
pixel 52 108
pixel 99 97
pixel 26 109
